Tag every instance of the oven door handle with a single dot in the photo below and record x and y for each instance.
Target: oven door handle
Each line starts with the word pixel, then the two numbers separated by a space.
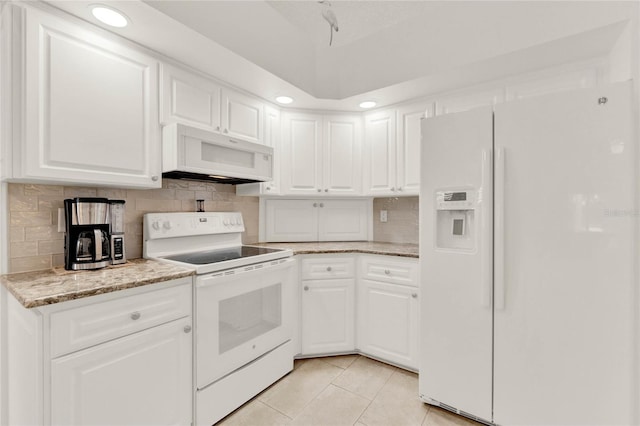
pixel 214 278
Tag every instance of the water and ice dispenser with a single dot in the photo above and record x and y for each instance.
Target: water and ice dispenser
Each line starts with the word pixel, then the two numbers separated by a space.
pixel 455 219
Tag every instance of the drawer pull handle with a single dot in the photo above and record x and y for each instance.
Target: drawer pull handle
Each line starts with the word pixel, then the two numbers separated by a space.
pixel 387 272
pixel 306 288
pixel 187 329
pixel 135 316
pixel 414 295
pixel 329 268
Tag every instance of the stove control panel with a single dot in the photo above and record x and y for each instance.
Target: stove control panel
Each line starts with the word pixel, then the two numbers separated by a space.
pixel 171 225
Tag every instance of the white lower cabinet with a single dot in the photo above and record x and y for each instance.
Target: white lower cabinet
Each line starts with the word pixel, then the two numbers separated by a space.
pixel 388 322
pixel 141 379
pixel 122 358
pixel 328 304
pixel 372 297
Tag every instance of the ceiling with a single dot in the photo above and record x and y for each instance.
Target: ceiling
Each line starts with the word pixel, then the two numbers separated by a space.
pixel 388 51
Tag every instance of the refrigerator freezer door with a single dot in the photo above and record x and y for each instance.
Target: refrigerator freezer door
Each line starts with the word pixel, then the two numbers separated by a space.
pixel 564 336
pixel 455 260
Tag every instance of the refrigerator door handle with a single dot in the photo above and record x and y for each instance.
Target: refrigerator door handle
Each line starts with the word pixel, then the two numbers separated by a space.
pixel 498 223
pixel 486 229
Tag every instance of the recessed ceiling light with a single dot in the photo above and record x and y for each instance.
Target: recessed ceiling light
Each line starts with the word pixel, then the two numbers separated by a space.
pixel 109 16
pixel 367 104
pixel 284 100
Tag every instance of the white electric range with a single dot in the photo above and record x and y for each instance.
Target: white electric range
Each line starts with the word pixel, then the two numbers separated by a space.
pixel 244 304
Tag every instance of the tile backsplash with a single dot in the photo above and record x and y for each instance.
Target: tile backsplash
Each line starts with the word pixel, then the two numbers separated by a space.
pixel 402 220
pixel 35 243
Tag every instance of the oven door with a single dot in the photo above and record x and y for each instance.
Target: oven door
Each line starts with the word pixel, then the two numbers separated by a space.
pixel 241 314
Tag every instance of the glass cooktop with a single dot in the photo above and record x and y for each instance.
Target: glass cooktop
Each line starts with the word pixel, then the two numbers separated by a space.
pixel 214 256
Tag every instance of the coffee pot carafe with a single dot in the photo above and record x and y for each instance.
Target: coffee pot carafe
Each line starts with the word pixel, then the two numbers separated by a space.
pixel 87 244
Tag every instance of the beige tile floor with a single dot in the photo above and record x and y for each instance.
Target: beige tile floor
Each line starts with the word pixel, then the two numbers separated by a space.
pixel 342 390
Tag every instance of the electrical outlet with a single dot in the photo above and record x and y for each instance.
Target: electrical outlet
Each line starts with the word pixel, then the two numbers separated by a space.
pixel 383 215
pixel 61 224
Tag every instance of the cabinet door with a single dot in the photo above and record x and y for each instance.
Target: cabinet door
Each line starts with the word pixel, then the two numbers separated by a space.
pixel 301 171
pixel 241 116
pixel 408 147
pixel 141 379
pixel 343 220
pixel 91 108
pixel 341 156
pixel 272 139
pixel 380 152
pixel 466 102
pixel 328 316
pixel 291 220
pixel 188 98
pixel 388 322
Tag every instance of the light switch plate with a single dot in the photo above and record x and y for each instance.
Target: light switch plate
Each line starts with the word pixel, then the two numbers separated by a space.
pixel 383 215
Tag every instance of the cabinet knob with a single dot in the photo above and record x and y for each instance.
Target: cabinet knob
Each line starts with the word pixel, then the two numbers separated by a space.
pixel 326 190
pixel 393 189
pixel 218 128
pixel 387 272
pixel 414 295
pixel 329 268
pixel 319 190
pixel 268 188
pixel 399 188
pixel 154 178
pixel 187 329
pixel 225 131
pixel 135 316
pixel 321 204
pixel 315 204
pixel 306 288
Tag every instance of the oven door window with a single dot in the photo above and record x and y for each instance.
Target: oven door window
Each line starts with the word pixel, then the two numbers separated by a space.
pixel 244 317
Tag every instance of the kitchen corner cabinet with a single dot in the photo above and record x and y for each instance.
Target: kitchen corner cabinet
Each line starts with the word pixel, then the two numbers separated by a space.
pixel 317 220
pixel 321 154
pixel 272 139
pixel 122 358
pixel 88 105
pixel 392 154
pixel 327 305
pixel 388 309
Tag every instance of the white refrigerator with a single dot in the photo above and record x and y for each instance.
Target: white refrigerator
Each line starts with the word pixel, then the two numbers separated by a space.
pixel 528 217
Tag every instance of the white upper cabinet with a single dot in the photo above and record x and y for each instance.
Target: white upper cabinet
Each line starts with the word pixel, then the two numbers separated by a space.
pixel 321 154
pixel 469 100
pixel 408 147
pixel 301 167
pixel 192 99
pixel 380 152
pixel 577 79
pixel 272 139
pixel 189 98
pixel 90 112
pixel 342 166
pixel 392 150
pixel 241 116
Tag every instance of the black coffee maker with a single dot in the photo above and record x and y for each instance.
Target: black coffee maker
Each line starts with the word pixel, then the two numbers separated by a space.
pixel 86 244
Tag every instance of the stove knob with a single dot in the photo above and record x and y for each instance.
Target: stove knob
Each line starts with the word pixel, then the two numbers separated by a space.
pixel 156 225
pixel 167 225
pixel 238 221
pixel 226 222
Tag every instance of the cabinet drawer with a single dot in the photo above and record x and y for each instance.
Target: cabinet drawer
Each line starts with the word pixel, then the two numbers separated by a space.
pixel 89 325
pixel 389 270
pixel 327 267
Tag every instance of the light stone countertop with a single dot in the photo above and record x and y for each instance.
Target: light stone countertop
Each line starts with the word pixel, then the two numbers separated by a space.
pixel 368 247
pixel 40 288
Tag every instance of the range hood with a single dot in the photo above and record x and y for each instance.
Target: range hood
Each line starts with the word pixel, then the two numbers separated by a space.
pixel 197 154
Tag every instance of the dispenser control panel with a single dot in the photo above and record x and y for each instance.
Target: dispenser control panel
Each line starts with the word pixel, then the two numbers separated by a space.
pixel 455 218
